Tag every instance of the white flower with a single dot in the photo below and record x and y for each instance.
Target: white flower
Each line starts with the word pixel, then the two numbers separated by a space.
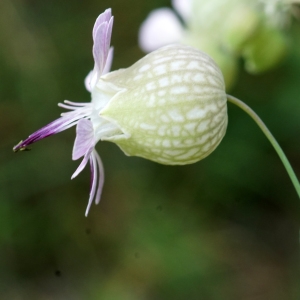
pixel 169 107
pixel 162 27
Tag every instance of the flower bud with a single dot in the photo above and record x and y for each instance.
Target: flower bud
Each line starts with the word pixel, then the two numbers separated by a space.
pixel 171 106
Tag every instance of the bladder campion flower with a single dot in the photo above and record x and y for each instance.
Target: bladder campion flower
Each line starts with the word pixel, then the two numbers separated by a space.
pixel 172 107
pixel 169 107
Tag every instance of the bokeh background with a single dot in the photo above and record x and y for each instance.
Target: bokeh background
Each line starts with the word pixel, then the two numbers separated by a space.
pixel 224 228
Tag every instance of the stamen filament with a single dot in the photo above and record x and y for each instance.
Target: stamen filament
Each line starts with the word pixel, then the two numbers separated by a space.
pixel 77 103
pixel 67 106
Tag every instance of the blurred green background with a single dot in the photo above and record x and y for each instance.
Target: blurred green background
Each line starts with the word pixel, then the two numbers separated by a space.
pixel 224 228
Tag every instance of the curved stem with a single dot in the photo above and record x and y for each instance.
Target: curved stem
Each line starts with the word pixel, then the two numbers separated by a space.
pixel 270 137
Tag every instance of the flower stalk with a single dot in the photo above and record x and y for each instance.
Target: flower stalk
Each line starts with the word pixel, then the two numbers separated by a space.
pixel 270 137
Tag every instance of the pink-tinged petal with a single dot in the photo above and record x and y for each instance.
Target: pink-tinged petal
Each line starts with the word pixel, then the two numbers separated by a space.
pixel 84 138
pixel 104 17
pixel 102 36
pixel 99 48
pixel 83 163
pixel 108 61
pixel 107 40
pixel 96 186
pixel 161 28
pixel 183 7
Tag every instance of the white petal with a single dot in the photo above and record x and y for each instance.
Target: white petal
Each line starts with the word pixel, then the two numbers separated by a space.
pixel 84 138
pixel 108 61
pixel 183 7
pixel 94 179
pixel 161 28
pixel 83 163
pixel 101 177
pixel 97 170
pixel 87 81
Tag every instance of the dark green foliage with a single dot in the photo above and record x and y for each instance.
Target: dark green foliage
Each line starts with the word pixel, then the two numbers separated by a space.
pixel 224 228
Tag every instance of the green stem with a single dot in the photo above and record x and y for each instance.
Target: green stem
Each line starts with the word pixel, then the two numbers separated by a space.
pixel 270 137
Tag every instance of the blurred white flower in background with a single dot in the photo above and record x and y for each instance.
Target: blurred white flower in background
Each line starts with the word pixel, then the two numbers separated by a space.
pixel 225 29
pixel 163 27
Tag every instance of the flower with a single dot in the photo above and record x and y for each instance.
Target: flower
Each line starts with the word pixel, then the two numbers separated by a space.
pixel 172 108
pixel 166 23
pixel 169 107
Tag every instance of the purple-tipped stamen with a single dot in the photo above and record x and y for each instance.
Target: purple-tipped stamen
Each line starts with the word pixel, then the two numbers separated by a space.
pixel 66 121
